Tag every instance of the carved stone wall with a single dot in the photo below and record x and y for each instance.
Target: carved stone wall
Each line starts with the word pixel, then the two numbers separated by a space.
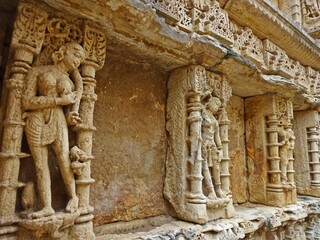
pixel 194 135
pixel 270 142
pixel 46 54
pixel 237 149
pixel 197 182
pixel 129 163
pixel 306 127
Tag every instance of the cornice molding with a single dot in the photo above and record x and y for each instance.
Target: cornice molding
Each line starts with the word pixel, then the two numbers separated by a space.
pixel 267 21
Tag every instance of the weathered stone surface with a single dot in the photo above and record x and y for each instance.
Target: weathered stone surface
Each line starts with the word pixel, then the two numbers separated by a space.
pixel 238 165
pixel 268 134
pixel 191 117
pixel 129 146
pixel 306 164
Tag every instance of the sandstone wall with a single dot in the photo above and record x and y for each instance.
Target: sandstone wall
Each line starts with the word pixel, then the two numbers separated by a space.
pixel 129 145
pixel 238 168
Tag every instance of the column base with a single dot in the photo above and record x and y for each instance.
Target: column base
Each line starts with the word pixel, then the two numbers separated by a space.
pixel 8 232
pixel 279 197
pixel 82 231
pixel 197 212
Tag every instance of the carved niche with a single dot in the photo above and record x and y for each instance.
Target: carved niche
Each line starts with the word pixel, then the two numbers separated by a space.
pixel 270 141
pixel 197 182
pixel 307 129
pixel 54 64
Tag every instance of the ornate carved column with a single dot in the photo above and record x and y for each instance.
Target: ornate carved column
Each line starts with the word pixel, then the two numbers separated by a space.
pixel 313 143
pixel 94 43
pixel 195 198
pixel 274 172
pixel 28 36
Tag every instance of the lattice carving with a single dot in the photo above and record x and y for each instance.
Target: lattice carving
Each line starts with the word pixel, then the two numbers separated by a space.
pixel 313 79
pixel 248 45
pixel 300 76
pixel 311 10
pixel 166 8
pixel 277 61
pixel 219 26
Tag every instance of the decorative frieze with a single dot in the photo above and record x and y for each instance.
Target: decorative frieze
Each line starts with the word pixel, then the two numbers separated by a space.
pixel 208 18
pixel 276 60
pixel 204 17
pixel 248 45
pixel 199 189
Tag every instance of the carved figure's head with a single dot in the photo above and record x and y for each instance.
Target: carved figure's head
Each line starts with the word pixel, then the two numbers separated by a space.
pixel 213 104
pixel 70 55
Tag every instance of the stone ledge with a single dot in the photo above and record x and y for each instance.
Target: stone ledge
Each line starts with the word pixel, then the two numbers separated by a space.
pixel 248 220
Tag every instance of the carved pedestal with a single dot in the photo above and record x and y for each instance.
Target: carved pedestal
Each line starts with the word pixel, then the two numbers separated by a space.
pixel 197 176
pixel 306 152
pixel 270 143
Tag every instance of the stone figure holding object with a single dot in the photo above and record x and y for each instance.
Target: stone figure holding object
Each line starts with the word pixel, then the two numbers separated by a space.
pixel 51 102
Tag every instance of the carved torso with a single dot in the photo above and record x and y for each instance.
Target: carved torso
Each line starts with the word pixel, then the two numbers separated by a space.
pixel 210 126
pixel 47 119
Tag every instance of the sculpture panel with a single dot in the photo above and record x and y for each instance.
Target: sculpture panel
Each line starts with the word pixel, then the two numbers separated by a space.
pixel 200 188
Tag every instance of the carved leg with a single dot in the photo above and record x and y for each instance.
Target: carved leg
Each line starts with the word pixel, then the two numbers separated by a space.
pixel 216 179
pixel 283 166
pixel 207 179
pixel 40 157
pixel 61 148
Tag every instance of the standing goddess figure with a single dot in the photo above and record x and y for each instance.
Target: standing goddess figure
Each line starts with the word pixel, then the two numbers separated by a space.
pixel 51 103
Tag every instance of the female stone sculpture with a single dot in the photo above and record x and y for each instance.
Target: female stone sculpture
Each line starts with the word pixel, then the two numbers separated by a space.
pixel 211 147
pixel 49 89
pixel 286 144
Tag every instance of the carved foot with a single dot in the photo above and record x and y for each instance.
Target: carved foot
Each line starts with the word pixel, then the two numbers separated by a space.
pixel 212 196
pixel 220 193
pixel 45 212
pixel 72 205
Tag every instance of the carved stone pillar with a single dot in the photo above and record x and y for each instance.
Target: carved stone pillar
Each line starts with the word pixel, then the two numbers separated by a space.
pixel 270 140
pixel 94 44
pixel 307 164
pixel 28 35
pixel 197 176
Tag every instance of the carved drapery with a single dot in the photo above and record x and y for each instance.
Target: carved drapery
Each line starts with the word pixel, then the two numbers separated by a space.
pixel 38 34
pixel 197 180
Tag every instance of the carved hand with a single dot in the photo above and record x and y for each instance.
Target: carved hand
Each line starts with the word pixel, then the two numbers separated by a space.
pixel 67 99
pixel 73 118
